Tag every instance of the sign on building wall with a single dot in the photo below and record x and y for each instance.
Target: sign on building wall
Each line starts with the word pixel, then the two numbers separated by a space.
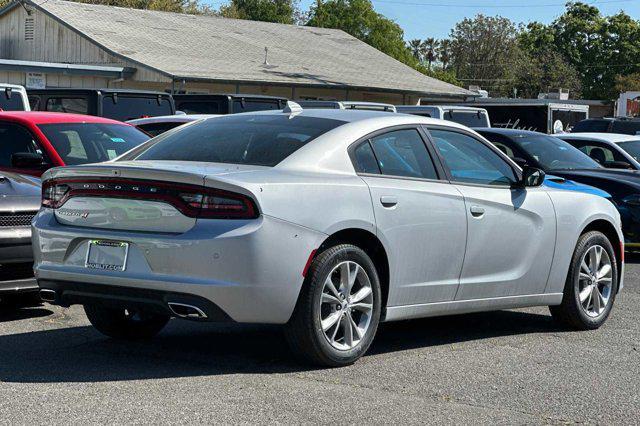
pixel 36 80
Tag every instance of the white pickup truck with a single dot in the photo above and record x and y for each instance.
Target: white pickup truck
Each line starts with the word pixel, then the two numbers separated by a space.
pixel 13 98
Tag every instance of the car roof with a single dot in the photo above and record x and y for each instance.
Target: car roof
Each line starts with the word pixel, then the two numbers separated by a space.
pixel 604 137
pixel 109 90
pixel 38 117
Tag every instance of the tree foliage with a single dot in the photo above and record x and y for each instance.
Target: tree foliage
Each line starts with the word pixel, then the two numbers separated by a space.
pixel 358 18
pixel 280 11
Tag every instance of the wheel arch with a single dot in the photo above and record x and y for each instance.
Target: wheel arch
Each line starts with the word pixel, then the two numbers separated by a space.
pixel 371 245
pixel 609 230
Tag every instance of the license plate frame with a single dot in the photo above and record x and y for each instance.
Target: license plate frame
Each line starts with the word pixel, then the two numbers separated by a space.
pixel 115 252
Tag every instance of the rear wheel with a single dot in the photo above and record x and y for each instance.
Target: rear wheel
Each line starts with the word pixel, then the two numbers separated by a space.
pixel 121 323
pixel 338 310
pixel 591 286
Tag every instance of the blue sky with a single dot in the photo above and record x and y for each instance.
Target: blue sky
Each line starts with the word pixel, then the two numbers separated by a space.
pixel 435 18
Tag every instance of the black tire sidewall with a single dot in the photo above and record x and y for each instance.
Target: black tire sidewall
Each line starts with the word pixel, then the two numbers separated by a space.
pixel 320 273
pixel 587 241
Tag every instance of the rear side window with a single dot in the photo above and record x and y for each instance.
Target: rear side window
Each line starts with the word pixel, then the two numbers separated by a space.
pixel 71 105
pixel 15 139
pixel 403 153
pixel 261 140
pixel 10 101
pixel 125 108
pixel 365 159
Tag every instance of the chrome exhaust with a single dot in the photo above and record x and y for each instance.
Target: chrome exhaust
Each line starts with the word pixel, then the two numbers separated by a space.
pixel 48 295
pixel 183 310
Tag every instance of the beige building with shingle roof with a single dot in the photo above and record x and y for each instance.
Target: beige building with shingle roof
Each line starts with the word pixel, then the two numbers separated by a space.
pixel 116 47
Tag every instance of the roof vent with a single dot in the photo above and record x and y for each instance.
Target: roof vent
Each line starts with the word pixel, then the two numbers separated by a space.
pixel 29 28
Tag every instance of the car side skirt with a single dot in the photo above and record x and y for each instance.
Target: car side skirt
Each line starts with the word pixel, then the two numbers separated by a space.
pixel 396 313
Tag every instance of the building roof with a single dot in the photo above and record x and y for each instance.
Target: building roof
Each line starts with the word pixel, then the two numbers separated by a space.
pixel 230 50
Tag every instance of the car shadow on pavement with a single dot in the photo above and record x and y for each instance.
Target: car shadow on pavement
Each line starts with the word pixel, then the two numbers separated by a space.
pixel 15 313
pixel 80 354
pixel 632 257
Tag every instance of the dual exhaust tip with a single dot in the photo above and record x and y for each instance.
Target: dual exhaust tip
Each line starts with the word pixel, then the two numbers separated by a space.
pixel 181 310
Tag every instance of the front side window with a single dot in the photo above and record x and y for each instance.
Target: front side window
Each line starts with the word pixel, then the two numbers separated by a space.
pixel 553 153
pixel 15 139
pixel 82 143
pixel 260 140
pixel 69 105
pixel 471 161
pixel 403 153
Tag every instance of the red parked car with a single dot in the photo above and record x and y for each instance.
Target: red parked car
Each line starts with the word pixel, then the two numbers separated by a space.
pixel 32 142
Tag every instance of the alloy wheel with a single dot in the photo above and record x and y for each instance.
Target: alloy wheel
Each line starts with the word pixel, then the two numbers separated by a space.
pixel 346 305
pixel 595 281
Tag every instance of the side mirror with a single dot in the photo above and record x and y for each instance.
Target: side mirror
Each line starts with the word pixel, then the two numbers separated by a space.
pixel 27 160
pixel 618 165
pixel 531 177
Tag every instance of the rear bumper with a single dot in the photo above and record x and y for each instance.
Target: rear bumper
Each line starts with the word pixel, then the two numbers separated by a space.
pixel 251 270
pixel 26 285
pixel 15 245
pixel 67 293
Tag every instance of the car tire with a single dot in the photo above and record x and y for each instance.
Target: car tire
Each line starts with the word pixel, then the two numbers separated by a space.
pixel 125 324
pixel 589 297
pixel 354 316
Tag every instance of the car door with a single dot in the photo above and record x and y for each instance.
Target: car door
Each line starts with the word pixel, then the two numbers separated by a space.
pixel 15 139
pixel 511 230
pixel 419 216
pixel 601 152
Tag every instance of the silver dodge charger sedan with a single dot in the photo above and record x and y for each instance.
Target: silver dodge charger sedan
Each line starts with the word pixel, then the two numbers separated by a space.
pixel 325 221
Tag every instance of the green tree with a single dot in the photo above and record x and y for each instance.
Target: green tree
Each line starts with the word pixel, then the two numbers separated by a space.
pixel 415 46
pixel 358 18
pixel 544 72
pixel 444 53
pixel 628 83
pixel 429 48
pixel 280 11
pixel 483 49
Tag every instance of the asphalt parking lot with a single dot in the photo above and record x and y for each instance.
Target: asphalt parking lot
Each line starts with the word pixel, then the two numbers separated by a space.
pixel 502 367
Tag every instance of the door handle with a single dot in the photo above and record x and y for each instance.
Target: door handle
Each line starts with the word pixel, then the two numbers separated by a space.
pixel 389 201
pixel 476 211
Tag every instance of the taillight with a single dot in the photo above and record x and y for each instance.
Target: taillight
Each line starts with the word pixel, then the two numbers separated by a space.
pixel 53 194
pixel 190 200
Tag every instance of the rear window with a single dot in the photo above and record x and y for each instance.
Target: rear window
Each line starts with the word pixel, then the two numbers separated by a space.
pixel 261 140
pixel 468 118
pixel 248 105
pixel 11 102
pixel 82 143
pixel 597 126
pixel 131 107
pixel 200 107
pixel 71 105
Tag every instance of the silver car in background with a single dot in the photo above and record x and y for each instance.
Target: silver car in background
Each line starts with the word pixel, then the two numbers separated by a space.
pixel 325 221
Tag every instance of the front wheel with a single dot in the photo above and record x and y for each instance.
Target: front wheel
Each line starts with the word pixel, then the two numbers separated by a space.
pixel 126 324
pixel 591 286
pixel 338 310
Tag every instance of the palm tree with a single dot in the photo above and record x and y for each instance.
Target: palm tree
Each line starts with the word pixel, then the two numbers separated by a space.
pixel 444 52
pixel 415 46
pixel 429 48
